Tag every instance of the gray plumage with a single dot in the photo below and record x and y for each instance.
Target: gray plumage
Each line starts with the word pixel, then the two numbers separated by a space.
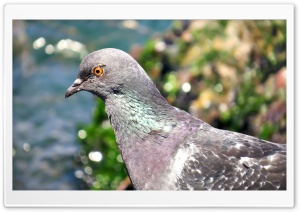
pixel 165 148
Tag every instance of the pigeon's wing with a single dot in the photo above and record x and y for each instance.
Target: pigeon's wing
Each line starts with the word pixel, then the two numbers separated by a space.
pixel 223 160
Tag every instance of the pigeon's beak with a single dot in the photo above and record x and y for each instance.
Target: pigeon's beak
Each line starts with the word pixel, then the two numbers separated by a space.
pixel 74 88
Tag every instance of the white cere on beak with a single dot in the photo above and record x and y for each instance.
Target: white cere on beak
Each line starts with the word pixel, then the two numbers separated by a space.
pixel 77 82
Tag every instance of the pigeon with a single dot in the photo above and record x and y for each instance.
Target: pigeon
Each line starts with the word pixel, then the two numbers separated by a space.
pixel 165 148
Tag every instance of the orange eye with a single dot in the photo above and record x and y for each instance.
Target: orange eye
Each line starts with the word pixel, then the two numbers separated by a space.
pixel 98 71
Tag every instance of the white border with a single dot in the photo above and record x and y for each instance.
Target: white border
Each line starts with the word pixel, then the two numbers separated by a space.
pixel 146 198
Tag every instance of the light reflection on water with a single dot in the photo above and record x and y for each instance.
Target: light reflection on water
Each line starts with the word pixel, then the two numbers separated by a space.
pixel 45 62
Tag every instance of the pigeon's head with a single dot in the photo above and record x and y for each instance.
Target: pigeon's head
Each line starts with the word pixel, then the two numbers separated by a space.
pixel 106 72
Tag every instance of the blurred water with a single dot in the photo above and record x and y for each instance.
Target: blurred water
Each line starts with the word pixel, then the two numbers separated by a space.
pixel 46 58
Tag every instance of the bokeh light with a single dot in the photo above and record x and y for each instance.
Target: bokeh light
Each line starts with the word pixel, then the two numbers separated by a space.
pixel 95 156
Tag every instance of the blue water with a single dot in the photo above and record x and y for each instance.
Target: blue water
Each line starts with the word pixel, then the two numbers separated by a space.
pixel 46 58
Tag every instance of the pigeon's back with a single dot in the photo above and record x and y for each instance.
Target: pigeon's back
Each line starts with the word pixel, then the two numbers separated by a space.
pixel 213 159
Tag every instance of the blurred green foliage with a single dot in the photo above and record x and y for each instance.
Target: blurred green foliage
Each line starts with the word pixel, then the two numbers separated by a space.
pixel 99 137
pixel 230 74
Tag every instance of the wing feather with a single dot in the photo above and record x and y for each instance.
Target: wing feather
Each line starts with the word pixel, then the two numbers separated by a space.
pixel 224 160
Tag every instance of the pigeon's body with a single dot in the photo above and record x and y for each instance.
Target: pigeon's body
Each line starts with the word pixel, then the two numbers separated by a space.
pixel 165 148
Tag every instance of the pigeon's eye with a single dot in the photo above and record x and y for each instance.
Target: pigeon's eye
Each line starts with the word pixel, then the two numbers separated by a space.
pixel 98 71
